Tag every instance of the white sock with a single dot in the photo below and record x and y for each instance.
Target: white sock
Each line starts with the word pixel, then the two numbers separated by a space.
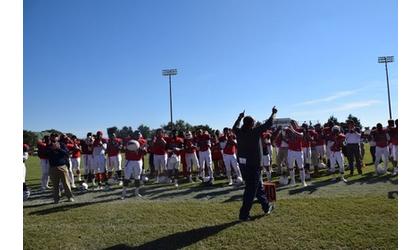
pixel 302 175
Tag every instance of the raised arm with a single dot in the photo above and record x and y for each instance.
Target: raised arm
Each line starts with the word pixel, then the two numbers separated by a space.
pixel 268 123
pixel 235 127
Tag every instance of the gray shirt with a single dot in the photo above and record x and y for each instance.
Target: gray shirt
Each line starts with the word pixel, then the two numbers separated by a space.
pixel 352 138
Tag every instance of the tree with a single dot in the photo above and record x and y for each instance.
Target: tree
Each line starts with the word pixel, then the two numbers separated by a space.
pixel 355 120
pixel 30 138
pixel 204 128
pixel 145 131
pixel 125 132
pixel 334 120
pixel 180 126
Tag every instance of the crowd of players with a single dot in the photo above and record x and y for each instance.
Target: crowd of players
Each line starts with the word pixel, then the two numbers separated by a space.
pixel 201 156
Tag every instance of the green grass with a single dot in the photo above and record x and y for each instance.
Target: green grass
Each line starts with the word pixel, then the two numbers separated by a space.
pixel 360 215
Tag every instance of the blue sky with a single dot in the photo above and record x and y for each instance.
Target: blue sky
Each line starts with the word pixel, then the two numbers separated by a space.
pixel 89 65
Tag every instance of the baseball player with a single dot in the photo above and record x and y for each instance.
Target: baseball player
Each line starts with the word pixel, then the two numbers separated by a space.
pixel 133 166
pixel 113 150
pixel 43 157
pixel 99 160
pixel 336 155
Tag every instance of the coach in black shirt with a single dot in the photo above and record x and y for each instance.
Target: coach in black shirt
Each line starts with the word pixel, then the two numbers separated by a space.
pixel 248 138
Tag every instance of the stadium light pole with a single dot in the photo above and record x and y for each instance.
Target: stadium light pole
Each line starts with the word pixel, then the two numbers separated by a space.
pixel 170 73
pixel 386 60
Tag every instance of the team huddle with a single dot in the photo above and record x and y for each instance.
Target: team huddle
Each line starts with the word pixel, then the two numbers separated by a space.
pixel 201 156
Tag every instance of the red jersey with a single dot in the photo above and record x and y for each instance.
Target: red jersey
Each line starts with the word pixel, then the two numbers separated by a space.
pixel 319 139
pixel 159 146
pixel 338 142
pixel 136 155
pixel 42 150
pixel 76 152
pixel 216 152
pixel 294 141
pixel 189 146
pixel 113 147
pixel 381 138
pixel 231 145
pixel 327 131
pixel 174 145
pixel 86 148
pixel 203 142
pixel 393 134
pixel 309 138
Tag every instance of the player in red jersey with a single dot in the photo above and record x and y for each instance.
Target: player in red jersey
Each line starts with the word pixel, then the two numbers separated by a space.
pixel 99 160
pixel 282 147
pixel 265 144
pixel 294 138
pixel 191 158
pixel 204 154
pixel 327 132
pixel 160 158
pixel 336 155
pixel 216 154
pixel 308 139
pixel 134 165
pixel 86 146
pixel 320 148
pixel 229 156
pixel 113 150
pixel 174 146
pixel 393 134
pixel 75 157
pixel 381 138
pixel 43 157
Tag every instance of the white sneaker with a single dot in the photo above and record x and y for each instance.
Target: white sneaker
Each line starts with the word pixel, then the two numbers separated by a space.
pixel 395 172
pixel 123 195
pixel 304 184
pixel 343 179
pixel 120 183
pixel 73 186
pixel 136 194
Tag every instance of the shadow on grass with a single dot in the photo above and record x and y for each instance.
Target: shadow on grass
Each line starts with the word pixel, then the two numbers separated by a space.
pixel 370 178
pixel 182 239
pixel 201 187
pixel 65 206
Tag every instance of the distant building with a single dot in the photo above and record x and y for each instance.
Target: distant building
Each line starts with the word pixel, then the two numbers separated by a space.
pixel 284 122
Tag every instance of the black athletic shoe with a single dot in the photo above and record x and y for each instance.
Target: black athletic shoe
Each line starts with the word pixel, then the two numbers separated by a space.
pixel 270 209
pixel 248 218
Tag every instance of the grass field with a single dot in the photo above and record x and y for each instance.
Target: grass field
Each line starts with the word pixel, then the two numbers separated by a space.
pixel 361 214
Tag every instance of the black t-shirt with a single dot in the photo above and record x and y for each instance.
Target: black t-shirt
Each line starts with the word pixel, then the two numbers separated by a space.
pixel 249 143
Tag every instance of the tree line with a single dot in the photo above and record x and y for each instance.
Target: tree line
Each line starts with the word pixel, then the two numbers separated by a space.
pixel 31 138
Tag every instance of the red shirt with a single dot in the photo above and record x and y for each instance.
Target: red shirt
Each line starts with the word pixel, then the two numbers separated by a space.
pixel 113 147
pixel 327 133
pixel 381 138
pixel 216 152
pixel 172 143
pixel 42 150
pixel 338 142
pixel 76 150
pixel 86 149
pixel 309 138
pixel 231 145
pixel 203 142
pixel 294 141
pixel 319 138
pixel 136 155
pixel 189 146
pixel 159 146
pixel 393 133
